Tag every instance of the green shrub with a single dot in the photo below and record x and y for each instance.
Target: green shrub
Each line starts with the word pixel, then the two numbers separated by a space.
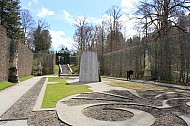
pixel 75 68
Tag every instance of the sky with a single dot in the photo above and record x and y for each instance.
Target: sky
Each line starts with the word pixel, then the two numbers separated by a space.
pixel 60 15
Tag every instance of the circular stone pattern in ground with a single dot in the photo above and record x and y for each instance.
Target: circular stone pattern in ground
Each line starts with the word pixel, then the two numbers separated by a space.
pixel 107 114
pixel 123 107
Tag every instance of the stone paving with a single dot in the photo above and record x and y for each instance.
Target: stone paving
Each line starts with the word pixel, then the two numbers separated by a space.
pixel 12 94
pixel 116 106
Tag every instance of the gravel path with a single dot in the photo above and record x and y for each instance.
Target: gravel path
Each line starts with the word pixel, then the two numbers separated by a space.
pixel 22 109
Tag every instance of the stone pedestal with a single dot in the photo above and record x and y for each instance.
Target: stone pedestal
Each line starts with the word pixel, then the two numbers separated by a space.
pixel 13 75
pixel 13 70
pixel 89 67
pixel 147 74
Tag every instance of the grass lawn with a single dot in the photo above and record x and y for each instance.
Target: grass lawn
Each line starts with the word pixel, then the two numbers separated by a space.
pixel 137 86
pixel 55 92
pixel 25 78
pixel 141 86
pixel 5 84
pixel 75 68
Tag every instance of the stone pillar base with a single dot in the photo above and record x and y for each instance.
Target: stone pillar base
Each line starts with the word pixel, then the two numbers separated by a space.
pixel 147 78
pixel 13 76
pixel 13 79
pixel 147 74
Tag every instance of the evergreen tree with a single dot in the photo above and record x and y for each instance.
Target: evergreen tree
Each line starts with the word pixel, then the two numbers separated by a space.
pixel 42 39
pixel 10 17
pixel 46 40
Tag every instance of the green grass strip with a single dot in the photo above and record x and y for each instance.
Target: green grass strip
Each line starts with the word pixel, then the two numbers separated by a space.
pixel 25 78
pixel 141 86
pixel 55 92
pixel 138 86
pixel 5 84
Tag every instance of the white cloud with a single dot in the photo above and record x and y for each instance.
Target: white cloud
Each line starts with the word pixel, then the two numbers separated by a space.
pixel 72 20
pixel 128 25
pixel 93 20
pixel 30 4
pixel 45 12
pixel 35 1
pixel 129 6
pixel 127 21
pixel 68 17
pixel 58 40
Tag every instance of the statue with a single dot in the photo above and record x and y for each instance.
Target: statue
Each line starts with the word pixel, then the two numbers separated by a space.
pixel 40 69
pixel 14 60
pixel 147 70
pixel 147 62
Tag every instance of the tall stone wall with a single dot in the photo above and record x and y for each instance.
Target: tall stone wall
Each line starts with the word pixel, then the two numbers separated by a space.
pixel 4 54
pixel 73 60
pixel 118 63
pixel 47 62
pixel 24 60
pixel 133 58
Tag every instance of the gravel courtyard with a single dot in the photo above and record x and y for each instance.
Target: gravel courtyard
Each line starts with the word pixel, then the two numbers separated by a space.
pixel 105 107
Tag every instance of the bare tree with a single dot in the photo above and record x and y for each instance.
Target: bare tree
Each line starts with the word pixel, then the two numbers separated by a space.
pixel 114 26
pixel 84 35
pixel 27 22
pixel 162 14
pixel 28 25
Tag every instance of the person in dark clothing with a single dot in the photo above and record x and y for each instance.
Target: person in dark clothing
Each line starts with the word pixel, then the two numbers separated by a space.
pixel 129 73
pixel 59 72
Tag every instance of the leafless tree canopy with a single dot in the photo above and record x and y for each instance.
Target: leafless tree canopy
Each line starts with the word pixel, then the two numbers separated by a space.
pixel 163 17
pixel 27 21
pixel 162 14
pixel 163 33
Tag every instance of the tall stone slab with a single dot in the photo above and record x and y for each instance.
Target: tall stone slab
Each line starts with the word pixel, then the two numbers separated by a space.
pixel 89 67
